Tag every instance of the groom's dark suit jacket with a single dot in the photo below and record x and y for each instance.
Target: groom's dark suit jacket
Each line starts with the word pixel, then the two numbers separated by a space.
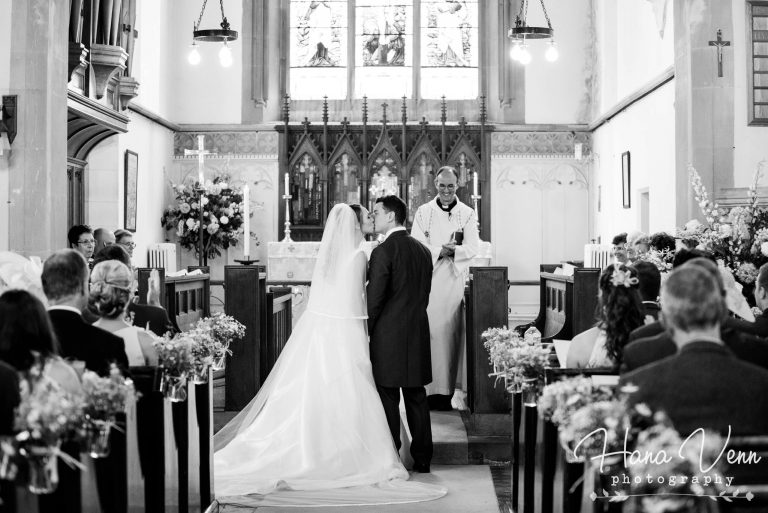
pixel 399 281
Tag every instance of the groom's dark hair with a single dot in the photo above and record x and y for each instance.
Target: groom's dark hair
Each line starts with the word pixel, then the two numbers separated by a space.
pixel 396 205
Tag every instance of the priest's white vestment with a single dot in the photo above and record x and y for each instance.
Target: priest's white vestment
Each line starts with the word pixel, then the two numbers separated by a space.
pixel 434 227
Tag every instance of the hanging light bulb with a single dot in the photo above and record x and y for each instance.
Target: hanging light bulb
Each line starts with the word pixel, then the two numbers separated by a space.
pixel 525 55
pixel 514 52
pixel 552 54
pixel 194 55
pixel 225 55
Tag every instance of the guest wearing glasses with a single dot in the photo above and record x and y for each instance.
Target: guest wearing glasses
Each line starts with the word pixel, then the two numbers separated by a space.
pixel 81 239
pixel 448 228
pixel 125 239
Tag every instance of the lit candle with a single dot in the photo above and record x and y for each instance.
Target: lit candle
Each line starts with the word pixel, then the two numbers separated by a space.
pixel 474 184
pixel 287 185
pixel 247 222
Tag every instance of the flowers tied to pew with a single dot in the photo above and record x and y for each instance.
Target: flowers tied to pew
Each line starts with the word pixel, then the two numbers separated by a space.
pixel 222 205
pixel 105 398
pixel 519 361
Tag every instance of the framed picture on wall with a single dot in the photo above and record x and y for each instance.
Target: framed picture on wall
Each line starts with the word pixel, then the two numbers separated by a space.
pixel 625 180
pixel 131 189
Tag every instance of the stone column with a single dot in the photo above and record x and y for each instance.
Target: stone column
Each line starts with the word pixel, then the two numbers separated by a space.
pixel 704 102
pixel 38 159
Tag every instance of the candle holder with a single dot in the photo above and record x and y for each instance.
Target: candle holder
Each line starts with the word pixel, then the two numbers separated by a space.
pixel 287 198
pixel 475 199
pixel 246 262
pixel 201 258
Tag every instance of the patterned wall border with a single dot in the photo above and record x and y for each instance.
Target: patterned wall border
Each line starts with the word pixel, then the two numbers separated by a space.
pixel 539 144
pixel 260 145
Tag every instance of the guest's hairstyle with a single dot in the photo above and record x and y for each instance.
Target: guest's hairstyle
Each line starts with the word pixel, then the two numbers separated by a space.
pixel 762 277
pixel 111 284
pixel 64 274
pixel 643 240
pixel 74 233
pixel 24 328
pixel 711 267
pixel 650 280
pixel 358 210
pixel 396 205
pixel 447 169
pixel 620 239
pixel 683 255
pixel 98 232
pixel 113 252
pixel 119 234
pixel 661 241
pixel 635 237
pixel 620 309
pixel 690 301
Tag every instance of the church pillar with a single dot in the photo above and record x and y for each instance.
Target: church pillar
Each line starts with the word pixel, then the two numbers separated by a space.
pixel 704 102
pixel 264 60
pixel 38 158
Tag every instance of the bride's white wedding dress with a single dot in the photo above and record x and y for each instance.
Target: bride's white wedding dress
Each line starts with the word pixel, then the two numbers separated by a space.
pixel 316 432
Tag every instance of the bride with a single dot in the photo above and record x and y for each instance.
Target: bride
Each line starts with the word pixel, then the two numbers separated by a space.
pixel 316 431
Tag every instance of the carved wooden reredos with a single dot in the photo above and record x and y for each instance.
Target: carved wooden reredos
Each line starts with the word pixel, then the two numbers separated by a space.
pixel 334 162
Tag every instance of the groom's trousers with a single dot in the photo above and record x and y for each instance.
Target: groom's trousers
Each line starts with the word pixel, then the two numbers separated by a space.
pixel 417 413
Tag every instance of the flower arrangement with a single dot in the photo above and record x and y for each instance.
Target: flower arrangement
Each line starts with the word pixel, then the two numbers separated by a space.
pixel 222 215
pixel 738 236
pixel 221 329
pixel 106 397
pixel 662 259
pixel 559 400
pixel 515 359
pixel 174 354
pixel 594 426
pixel 47 414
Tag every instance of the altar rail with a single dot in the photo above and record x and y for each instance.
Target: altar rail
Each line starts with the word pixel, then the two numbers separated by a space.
pixel 187 299
pixel 163 462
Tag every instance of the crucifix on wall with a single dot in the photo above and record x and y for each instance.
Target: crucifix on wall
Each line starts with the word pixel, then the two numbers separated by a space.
pixel 719 43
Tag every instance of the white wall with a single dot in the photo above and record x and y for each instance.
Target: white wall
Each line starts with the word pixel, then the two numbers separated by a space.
pixel 5 80
pixel 152 55
pixel 647 131
pixel 750 142
pixel 558 92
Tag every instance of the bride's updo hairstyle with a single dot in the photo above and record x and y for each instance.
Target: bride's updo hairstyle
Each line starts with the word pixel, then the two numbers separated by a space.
pixel 620 308
pixel 358 210
pixel 111 287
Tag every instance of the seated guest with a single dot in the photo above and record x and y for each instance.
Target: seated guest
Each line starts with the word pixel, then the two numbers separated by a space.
pixel 125 239
pixel 9 398
pixel 745 346
pixel 620 311
pixel 103 238
pixel 704 385
pixel 639 244
pixel 760 326
pixel 111 291
pixel 150 315
pixel 619 250
pixel 81 240
pixel 65 283
pixel 27 339
pixel 662 241
pixel 650 284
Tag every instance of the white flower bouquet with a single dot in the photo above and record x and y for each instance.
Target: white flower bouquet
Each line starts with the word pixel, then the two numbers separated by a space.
pixel 515 359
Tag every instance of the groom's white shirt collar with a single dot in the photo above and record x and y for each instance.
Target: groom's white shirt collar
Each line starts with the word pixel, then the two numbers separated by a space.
pixel 393 230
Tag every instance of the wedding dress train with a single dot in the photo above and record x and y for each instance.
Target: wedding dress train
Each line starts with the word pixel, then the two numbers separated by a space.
pixel 316 433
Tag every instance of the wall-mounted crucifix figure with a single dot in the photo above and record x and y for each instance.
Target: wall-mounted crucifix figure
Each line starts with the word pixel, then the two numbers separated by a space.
pixel 719 43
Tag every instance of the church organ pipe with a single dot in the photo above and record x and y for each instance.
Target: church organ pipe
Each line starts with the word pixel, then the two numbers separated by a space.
pixel 76 20
pixel 115 27
pixel 443 141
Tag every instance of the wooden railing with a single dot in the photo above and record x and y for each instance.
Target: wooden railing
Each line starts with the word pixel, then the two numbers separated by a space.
pixel 187 299
pixel 279 309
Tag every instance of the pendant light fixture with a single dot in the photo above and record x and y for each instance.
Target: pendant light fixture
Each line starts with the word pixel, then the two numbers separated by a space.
pixel 522 32
pixel 223 35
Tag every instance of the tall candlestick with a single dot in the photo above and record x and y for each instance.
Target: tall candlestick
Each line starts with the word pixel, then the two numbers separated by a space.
pixel 247 222
pixel 287 185
pixel 474 184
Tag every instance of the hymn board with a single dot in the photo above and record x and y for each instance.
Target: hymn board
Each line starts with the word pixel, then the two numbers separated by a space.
pixel 342 162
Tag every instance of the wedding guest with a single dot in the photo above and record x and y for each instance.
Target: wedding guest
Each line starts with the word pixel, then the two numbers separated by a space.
pixel 650 285
pixel 111 291
pixel 760 326
pixel 9 398
pixel 619 310
pixel 150 315
pixel 662 241
pixel 748 347
pixel 619 250
pixel 81 239
pixel 65 283
pixel 125 239
pixel 103 238
pixel 27 340
pixel 704 385
pixel 639 243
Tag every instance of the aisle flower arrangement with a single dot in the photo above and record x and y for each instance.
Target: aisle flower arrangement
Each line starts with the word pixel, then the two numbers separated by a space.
pixel 204 349
pixel 737 236
pixel 223 330
pixel 559 400
pixel 519 361
pixel 177 362
pixel 222 206
pixel 104 398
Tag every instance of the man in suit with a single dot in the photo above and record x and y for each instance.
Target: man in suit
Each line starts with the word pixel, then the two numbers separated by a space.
pixel 760 326
pixel 704 385
pixel 399 281
pixel 649 286
pixel 65 283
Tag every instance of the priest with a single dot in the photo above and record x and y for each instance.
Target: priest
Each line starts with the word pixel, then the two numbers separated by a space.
pixel 448 228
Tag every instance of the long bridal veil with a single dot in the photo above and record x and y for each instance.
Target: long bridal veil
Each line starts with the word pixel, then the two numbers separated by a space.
pixel 316 433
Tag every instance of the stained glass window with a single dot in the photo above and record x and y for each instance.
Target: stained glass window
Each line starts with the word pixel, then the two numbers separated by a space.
pixel 383 47
pixel 383 177
pixel 345 186
pixel 465 168
pixel 449 49
pixel 307 192
pixel 421 184
pixel 318 49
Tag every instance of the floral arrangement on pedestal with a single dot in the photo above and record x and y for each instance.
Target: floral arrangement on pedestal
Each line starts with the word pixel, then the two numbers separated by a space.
pixel 222 205
pixel 104 398
pixel 519 361
pixel 737 236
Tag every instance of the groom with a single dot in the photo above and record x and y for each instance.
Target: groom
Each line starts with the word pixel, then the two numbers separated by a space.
pixel 399 280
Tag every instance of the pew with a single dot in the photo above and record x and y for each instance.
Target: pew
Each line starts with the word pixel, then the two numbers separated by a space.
pixel 749 477
pixel 185 298
pixel 566 303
